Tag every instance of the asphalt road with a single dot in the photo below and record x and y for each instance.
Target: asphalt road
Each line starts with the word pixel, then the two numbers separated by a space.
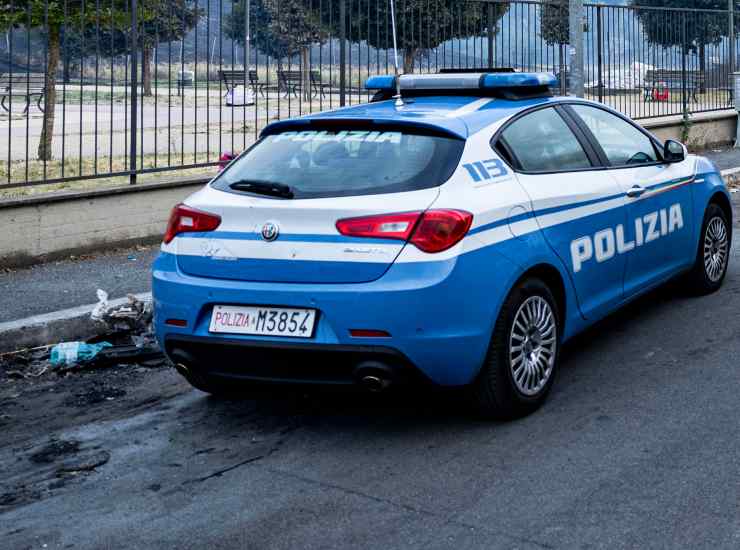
pixel 74 281
pixel 637 447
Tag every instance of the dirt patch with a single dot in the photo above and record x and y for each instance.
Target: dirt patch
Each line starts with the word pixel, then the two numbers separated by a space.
pixel 33 406
pixel 95 392
pixel 54 450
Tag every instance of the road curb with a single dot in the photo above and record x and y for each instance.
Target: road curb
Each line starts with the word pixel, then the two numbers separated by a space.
pixel 731 176
pixel 58 326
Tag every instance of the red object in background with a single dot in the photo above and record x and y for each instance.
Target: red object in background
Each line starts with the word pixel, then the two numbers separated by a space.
pixel 661 93
pixel 225 159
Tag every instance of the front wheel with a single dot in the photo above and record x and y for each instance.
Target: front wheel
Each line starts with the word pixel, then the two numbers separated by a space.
pixel 713 254
pixel 522 357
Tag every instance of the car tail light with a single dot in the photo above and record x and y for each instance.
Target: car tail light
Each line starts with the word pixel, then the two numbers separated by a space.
pixel 186 219
pixel 430 231
pixel 385 226
pixel 439 230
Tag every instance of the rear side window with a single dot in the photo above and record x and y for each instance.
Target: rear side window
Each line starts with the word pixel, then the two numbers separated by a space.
pixel 337 163
pixel 542 142
pixel 623 144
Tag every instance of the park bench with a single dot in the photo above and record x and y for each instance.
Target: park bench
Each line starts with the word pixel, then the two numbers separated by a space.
pixel 236 77
pixel 29 86
pixel 659 81
pixel 291 82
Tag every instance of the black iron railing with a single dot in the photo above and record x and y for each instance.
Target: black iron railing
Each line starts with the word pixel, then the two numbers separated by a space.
pixel 118 89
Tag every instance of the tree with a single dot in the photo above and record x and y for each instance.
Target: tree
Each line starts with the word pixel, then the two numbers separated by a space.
pixel 421 24
pixel 163 21
pixel 691 31
pixel 52 15
pixel 554 24
pixel 159 21
pixel 280 29
pixel 555 30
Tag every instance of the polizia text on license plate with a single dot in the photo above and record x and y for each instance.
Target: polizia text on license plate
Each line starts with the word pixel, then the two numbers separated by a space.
pixel 267 321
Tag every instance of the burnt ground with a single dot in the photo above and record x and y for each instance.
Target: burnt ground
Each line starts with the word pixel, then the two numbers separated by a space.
pixel 638 446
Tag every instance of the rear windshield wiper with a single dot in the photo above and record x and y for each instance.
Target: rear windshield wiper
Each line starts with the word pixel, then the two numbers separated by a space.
pixel 263 188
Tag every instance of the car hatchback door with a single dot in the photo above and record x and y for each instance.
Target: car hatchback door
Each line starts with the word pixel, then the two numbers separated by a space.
pixel 658 235
pixel 577 206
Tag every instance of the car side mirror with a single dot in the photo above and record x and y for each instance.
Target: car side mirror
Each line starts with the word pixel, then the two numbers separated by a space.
pixel 673 151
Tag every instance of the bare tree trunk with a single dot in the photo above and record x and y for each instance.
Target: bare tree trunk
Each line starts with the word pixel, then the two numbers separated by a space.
pixel 50 94
pixel 408 60
pixel 146 68
pixel 306 74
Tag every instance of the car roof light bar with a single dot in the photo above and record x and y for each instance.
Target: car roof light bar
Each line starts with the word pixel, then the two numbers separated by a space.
pixel 462 81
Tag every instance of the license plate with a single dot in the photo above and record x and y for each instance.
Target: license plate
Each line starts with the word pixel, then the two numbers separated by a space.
pixel 266 321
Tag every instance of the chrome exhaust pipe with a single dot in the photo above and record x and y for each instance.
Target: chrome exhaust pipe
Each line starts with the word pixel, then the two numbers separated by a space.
pixel 375 383
pixel 181 360
pixel 374 376
pixel 182 369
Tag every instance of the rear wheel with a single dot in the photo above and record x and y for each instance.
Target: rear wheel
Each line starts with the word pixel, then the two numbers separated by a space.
pixel 522 357
pixel 713 253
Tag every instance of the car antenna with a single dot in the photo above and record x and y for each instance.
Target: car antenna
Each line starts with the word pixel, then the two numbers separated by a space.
pixel 397 97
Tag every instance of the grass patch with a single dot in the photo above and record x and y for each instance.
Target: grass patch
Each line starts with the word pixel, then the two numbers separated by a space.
pixel 76 167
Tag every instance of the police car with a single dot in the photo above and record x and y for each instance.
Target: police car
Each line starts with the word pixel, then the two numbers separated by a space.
pixel 455 235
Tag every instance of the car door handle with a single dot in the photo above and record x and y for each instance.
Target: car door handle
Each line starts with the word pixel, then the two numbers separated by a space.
pixel 636 191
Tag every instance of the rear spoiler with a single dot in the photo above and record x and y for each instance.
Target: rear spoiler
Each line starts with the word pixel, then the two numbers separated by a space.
pixel 449 128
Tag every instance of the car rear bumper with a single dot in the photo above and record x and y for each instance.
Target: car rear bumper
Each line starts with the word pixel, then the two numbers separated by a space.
pixel 439 316
pixel 294 363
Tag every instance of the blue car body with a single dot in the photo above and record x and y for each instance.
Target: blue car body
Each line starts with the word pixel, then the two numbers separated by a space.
pixel 580 231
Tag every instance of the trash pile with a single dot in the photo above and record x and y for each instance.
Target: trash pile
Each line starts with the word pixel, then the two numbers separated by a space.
pixel 127 338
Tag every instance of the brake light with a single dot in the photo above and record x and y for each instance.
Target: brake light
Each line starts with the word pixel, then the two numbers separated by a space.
pixel 184 219
pixel 385 226
pixel 439 230
pixel 430 231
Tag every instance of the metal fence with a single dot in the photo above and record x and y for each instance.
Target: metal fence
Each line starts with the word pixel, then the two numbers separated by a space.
pixel 96 91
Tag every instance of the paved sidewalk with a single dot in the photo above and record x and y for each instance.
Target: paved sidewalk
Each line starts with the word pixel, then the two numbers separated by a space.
pixel 69 283
pixel 725 159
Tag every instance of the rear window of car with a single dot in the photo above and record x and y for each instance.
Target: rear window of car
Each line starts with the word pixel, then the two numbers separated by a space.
pixel 345 162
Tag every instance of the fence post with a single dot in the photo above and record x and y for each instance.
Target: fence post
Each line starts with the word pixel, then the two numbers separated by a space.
pixel 342 52
pixel 600 51
pixel 134 89
pixel 684 87
pixel 731 35
pixel 575 22
pixel 491 29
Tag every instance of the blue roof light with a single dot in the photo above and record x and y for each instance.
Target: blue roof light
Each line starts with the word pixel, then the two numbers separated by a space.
pixel 462 81
pixel 518 80
pixel 381 82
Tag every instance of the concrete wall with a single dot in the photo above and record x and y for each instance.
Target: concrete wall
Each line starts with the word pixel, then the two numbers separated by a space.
pixel 42 228
pixel 706 130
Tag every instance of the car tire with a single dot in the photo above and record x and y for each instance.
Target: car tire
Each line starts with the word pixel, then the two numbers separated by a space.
pixel 522 357
pixel 712 255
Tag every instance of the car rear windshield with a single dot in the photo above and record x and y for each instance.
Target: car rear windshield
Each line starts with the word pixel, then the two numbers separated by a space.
pixel 342 162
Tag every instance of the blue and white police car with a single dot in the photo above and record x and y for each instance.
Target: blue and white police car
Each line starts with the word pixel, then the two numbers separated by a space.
pixel 458 236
